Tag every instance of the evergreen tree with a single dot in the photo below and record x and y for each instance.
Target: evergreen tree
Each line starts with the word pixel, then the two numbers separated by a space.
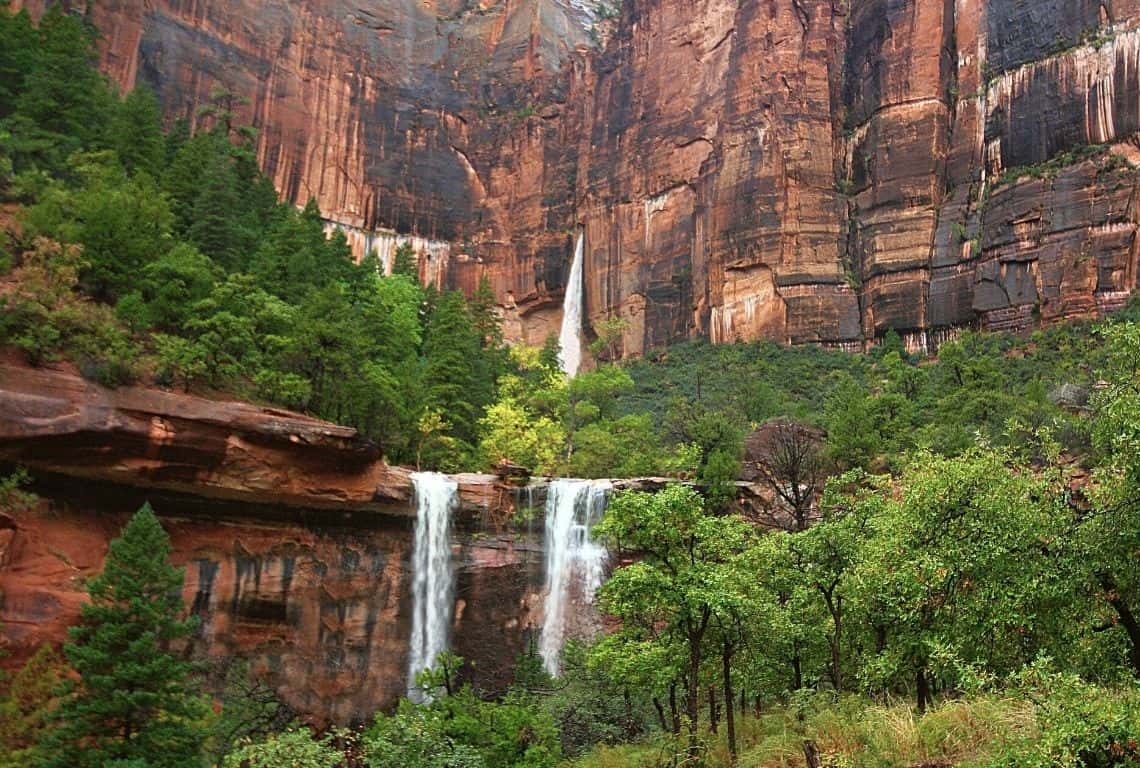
pixel 63 100
pixel 404 262
pixel 484 317
pixel 295 256
pixel 134 699
pixel 451 355
pixel 26 707
pixel 17 55
pixel 136 133
pixel 211 221
pixel 550 357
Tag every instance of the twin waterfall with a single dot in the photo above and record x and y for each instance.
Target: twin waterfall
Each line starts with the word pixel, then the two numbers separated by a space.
pixel 570 335
pixel 433 585
pixel 575 567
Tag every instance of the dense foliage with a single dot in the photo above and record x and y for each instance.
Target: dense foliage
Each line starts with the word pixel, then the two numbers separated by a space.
pixel 140 252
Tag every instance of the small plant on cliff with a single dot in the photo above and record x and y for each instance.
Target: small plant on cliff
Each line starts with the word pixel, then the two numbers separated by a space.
pixel 13 497
pixel 134 699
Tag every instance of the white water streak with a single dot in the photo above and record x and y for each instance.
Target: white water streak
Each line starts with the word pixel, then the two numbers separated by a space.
pixel 570 337
pixel 433 586
pixel 575 565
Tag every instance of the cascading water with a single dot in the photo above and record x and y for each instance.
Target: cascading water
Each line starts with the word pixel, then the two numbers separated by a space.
pixel 433 583
pixel 575 565
pixel 570 336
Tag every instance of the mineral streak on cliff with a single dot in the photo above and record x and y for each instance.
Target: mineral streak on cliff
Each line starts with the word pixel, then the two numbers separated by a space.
pixel 801 170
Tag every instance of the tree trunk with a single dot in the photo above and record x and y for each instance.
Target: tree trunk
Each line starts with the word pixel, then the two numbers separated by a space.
pixel 693 694
pixel 729 717
pixel 714 723
pixel 797 669
pixel 673 708
pixel 1129 622
pixel 835 608
pixel 811 754
pixel 922 689
pixel 743 702
pixel 660 713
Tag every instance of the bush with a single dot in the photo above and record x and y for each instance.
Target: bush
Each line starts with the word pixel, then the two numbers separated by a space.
pixel 1079 725
pixel 291 749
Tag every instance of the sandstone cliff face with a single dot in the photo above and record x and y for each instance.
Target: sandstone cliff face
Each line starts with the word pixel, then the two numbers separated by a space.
pixel 321 611
pixel 801 170
pixel 295 536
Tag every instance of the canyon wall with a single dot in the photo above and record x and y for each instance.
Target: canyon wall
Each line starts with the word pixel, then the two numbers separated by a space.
pixel 800 170
pixel 295 536
pixel 319 609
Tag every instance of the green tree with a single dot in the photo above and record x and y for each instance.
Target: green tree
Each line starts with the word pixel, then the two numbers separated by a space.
pixel 62 103
pixel 173 283
pixel 27 707
pixel 134 699
pixel 956 579
pixel 295 255
pixel 404 262
pixel 416 737
pixel 1109 537
pixel 669 599
pixel 513 433
pixel 451 381
pixel 17 55
pixel 291 749
pixel 122 223
pixel 136 133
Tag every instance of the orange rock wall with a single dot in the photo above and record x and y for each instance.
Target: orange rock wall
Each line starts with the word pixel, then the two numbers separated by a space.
pixel 321 611
pixel 800 170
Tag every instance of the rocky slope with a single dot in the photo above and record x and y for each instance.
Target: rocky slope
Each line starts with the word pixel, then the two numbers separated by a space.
pixel 801 170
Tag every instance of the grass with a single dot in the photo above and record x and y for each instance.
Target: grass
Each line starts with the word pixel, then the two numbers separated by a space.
pixel 851 733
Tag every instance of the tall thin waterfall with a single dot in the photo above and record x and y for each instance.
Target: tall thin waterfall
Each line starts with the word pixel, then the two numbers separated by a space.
pixel 575 565
pixel 433 584
pixel 570 337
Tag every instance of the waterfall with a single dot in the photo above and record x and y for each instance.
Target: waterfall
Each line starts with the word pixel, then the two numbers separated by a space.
pixel 570 337
pixel 433 579
pixel 575 565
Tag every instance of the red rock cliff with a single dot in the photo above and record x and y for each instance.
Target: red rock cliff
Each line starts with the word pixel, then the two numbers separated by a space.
pixel 295 536
pixel 801 170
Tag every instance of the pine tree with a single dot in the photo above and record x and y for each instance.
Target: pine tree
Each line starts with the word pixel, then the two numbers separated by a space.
pixel 26 707
pixel 451 355
pixel 136 132
pixel 134 699
pixel 404 262
pixel 484 317
pixel 17 54
pixel 63 100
